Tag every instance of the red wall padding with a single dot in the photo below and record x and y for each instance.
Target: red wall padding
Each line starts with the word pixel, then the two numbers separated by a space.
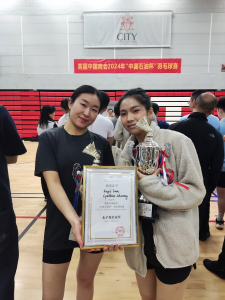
pixel 24 106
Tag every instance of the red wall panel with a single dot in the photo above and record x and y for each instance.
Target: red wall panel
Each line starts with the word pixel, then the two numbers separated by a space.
pixel 24 106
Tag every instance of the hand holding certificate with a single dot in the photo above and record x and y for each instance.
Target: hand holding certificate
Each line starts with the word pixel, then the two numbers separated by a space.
pixel 109 205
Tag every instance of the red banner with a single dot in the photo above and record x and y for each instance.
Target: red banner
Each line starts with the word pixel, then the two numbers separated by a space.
pixel 97 66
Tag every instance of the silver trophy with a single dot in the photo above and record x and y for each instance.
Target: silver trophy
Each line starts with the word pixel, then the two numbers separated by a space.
pixel 147 153
pixel 146 159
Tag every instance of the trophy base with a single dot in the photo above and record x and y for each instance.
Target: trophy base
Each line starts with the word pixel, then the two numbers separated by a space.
pixel 74 244
pixel 147 211
pixel 71 240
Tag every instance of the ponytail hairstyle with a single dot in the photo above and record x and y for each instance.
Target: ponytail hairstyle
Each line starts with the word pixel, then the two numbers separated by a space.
pixel 44 117
pixel 87 89
pixel 138 94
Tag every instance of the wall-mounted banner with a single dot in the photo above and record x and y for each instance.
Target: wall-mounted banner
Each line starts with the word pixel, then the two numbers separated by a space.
pixel 95 66
pixel 127 29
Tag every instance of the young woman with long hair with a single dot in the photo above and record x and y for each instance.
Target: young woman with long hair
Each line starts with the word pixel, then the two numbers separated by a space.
pixel 169 247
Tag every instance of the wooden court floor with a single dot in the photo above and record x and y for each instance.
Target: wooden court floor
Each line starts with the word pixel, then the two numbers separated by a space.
pixel 114 280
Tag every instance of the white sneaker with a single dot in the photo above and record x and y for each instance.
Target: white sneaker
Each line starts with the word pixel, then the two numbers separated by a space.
pixel 219 224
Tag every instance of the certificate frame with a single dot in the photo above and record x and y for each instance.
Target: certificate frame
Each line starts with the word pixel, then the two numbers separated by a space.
pixel 90 175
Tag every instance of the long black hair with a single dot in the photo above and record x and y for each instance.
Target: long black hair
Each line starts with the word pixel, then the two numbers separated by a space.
pixel 87 89
pixel 44 117
pixel 138 94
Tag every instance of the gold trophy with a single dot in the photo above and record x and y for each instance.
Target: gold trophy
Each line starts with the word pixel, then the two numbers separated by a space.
pixel 91 150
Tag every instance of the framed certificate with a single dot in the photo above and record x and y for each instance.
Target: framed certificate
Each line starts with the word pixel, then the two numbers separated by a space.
pixel 110 207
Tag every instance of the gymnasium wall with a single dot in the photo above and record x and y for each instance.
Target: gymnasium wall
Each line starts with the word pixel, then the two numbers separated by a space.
pixel 39 39
pixel 24 106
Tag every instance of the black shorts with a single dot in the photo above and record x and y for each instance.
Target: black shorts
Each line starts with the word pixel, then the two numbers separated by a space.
pixel 166 276
pixel 221 181
pixel 59 256
pixel 170 276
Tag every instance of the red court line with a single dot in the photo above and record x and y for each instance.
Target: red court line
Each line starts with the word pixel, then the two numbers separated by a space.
pixel 31 217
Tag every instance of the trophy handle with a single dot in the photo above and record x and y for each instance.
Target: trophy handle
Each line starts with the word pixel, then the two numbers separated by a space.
pixel 130 150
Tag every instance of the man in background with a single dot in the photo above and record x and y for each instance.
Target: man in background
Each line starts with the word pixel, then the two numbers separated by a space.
pixel 110 113
pixel 218 266
pixel 11 146
pixel 209 146
pixel 162 124
pixel 103 126
pixel 214 121
pixel 221 182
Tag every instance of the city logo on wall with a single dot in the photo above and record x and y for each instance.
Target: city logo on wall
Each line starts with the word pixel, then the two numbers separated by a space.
pixel 127 22
pixel 126 31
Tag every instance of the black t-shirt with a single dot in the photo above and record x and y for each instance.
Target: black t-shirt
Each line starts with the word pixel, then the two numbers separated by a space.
pixel 10 145
pixel 59 151
pixel 208 143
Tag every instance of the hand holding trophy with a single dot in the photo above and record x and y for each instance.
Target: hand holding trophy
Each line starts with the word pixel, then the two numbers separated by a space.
pixel 146 158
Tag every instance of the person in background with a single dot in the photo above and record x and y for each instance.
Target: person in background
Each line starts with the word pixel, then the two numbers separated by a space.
pixel 217 267
pixel 214 121
pixel 221 182
pixel 161 124
pixel 46 119
pixel 209 146
pixel 66 110
pixel 46 122
pixel 103 126
pixel 116 115
pixel 110 113
pixel 11 146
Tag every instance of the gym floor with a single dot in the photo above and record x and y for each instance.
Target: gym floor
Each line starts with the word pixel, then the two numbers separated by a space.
pixel 114 279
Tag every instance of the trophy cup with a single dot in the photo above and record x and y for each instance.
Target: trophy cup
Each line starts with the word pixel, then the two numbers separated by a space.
pixel 146 158
pixel 91 150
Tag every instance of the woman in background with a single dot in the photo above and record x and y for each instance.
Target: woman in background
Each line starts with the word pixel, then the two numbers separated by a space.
pixel 46 122
pixel 66 110
pixel 46 119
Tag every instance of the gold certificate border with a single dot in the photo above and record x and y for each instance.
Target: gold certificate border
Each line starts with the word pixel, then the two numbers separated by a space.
pixel 84 203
